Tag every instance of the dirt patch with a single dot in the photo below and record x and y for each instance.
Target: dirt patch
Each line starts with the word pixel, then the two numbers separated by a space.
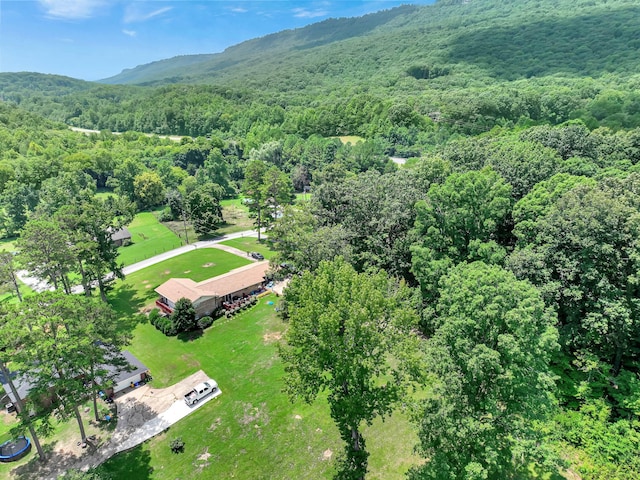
pixel 298 417
pixel 190 360
pixel 327 454
pixel 272 337
pixel 145 281
pixel 207 265
pixel 147 286
pixel 202 460
pixel 187 271
pixel 251 414
pixel 167 272
pixel 215 424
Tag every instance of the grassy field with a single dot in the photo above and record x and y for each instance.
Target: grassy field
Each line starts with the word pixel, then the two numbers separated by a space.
pixel 352 139
pixel 8 244
pixel 149 238
pixel 252 430
pixel 136 291
pixel 236 216
pixel 9 295
pixel 250 244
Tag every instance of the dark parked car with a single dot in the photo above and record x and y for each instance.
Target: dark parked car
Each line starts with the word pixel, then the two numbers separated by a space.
pixel 256 255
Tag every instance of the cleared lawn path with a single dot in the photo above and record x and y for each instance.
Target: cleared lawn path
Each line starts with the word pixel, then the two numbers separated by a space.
pixel 250 244
pixel 149 238
pixel 136 290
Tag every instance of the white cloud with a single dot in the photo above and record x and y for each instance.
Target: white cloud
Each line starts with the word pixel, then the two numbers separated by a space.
pixel 72 9
pixel 238 10
pixel 131 33
pixel 135 13
pixel 306 13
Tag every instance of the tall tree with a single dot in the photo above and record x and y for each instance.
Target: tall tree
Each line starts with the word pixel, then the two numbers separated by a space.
pixel 490 356
pixel 10 344
pixel 459 221
pixel 44 250
pixel 148 190
pixel 203 205
pixel 343 330
pixel 277 191
pixel 253 190
pixel 66 334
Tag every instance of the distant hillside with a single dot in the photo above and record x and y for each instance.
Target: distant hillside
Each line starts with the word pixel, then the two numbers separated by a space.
pixel 203 68
pixel 488 39
pixel 160 69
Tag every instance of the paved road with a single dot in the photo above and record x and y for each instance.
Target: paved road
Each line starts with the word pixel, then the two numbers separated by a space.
pixel 40 285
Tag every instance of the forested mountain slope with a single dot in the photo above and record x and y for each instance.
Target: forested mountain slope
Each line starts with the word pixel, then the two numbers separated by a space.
pixel 467 66
pixel 487 38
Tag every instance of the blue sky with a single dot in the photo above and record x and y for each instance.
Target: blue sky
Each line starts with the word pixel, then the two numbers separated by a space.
pixel 94 39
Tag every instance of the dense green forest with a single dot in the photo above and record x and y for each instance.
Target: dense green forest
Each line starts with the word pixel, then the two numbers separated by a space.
pixel 512 231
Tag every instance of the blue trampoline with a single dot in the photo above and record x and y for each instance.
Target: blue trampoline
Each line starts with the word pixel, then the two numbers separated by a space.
pixel 14 449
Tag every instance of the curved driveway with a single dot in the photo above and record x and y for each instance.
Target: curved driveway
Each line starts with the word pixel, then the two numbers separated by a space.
pixel 40 285
pixel 184 249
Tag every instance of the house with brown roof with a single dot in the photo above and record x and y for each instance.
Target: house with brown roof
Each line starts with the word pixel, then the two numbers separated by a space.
pixel 209 295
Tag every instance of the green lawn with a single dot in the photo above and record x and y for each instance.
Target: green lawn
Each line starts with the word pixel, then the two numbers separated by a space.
pixel 252 430
pixel 8 244
pixel 137 289
pixel 104 193
pixel 9 296
pixel 149 238
pixel 250 244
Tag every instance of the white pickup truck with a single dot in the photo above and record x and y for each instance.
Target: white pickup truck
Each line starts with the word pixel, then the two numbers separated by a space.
pixel 200 391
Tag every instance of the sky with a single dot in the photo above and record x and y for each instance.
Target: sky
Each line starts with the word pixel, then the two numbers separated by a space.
pixel 96 39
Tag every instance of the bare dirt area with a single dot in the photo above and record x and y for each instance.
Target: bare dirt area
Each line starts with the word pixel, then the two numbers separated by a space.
pixel 135 407
pixel 138 406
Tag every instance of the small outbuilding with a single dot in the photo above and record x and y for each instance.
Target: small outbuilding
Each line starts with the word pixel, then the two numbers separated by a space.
pixel 121 237
pixel 125 378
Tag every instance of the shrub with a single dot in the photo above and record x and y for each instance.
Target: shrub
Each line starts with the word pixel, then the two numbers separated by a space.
pixel 166 215
pixel 165 325
pixel 177 445
pixel 153 316
pixel 205 322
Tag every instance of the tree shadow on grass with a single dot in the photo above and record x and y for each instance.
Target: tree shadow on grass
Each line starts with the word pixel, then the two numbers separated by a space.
pixel 132 464
pixel 124 299
pixel 55 462
pixel 190 336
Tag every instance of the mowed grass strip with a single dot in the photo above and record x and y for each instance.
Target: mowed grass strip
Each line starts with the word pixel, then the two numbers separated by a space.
pixel 149 237
pixel 251 431
pixel 137 289
pixel 250 244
